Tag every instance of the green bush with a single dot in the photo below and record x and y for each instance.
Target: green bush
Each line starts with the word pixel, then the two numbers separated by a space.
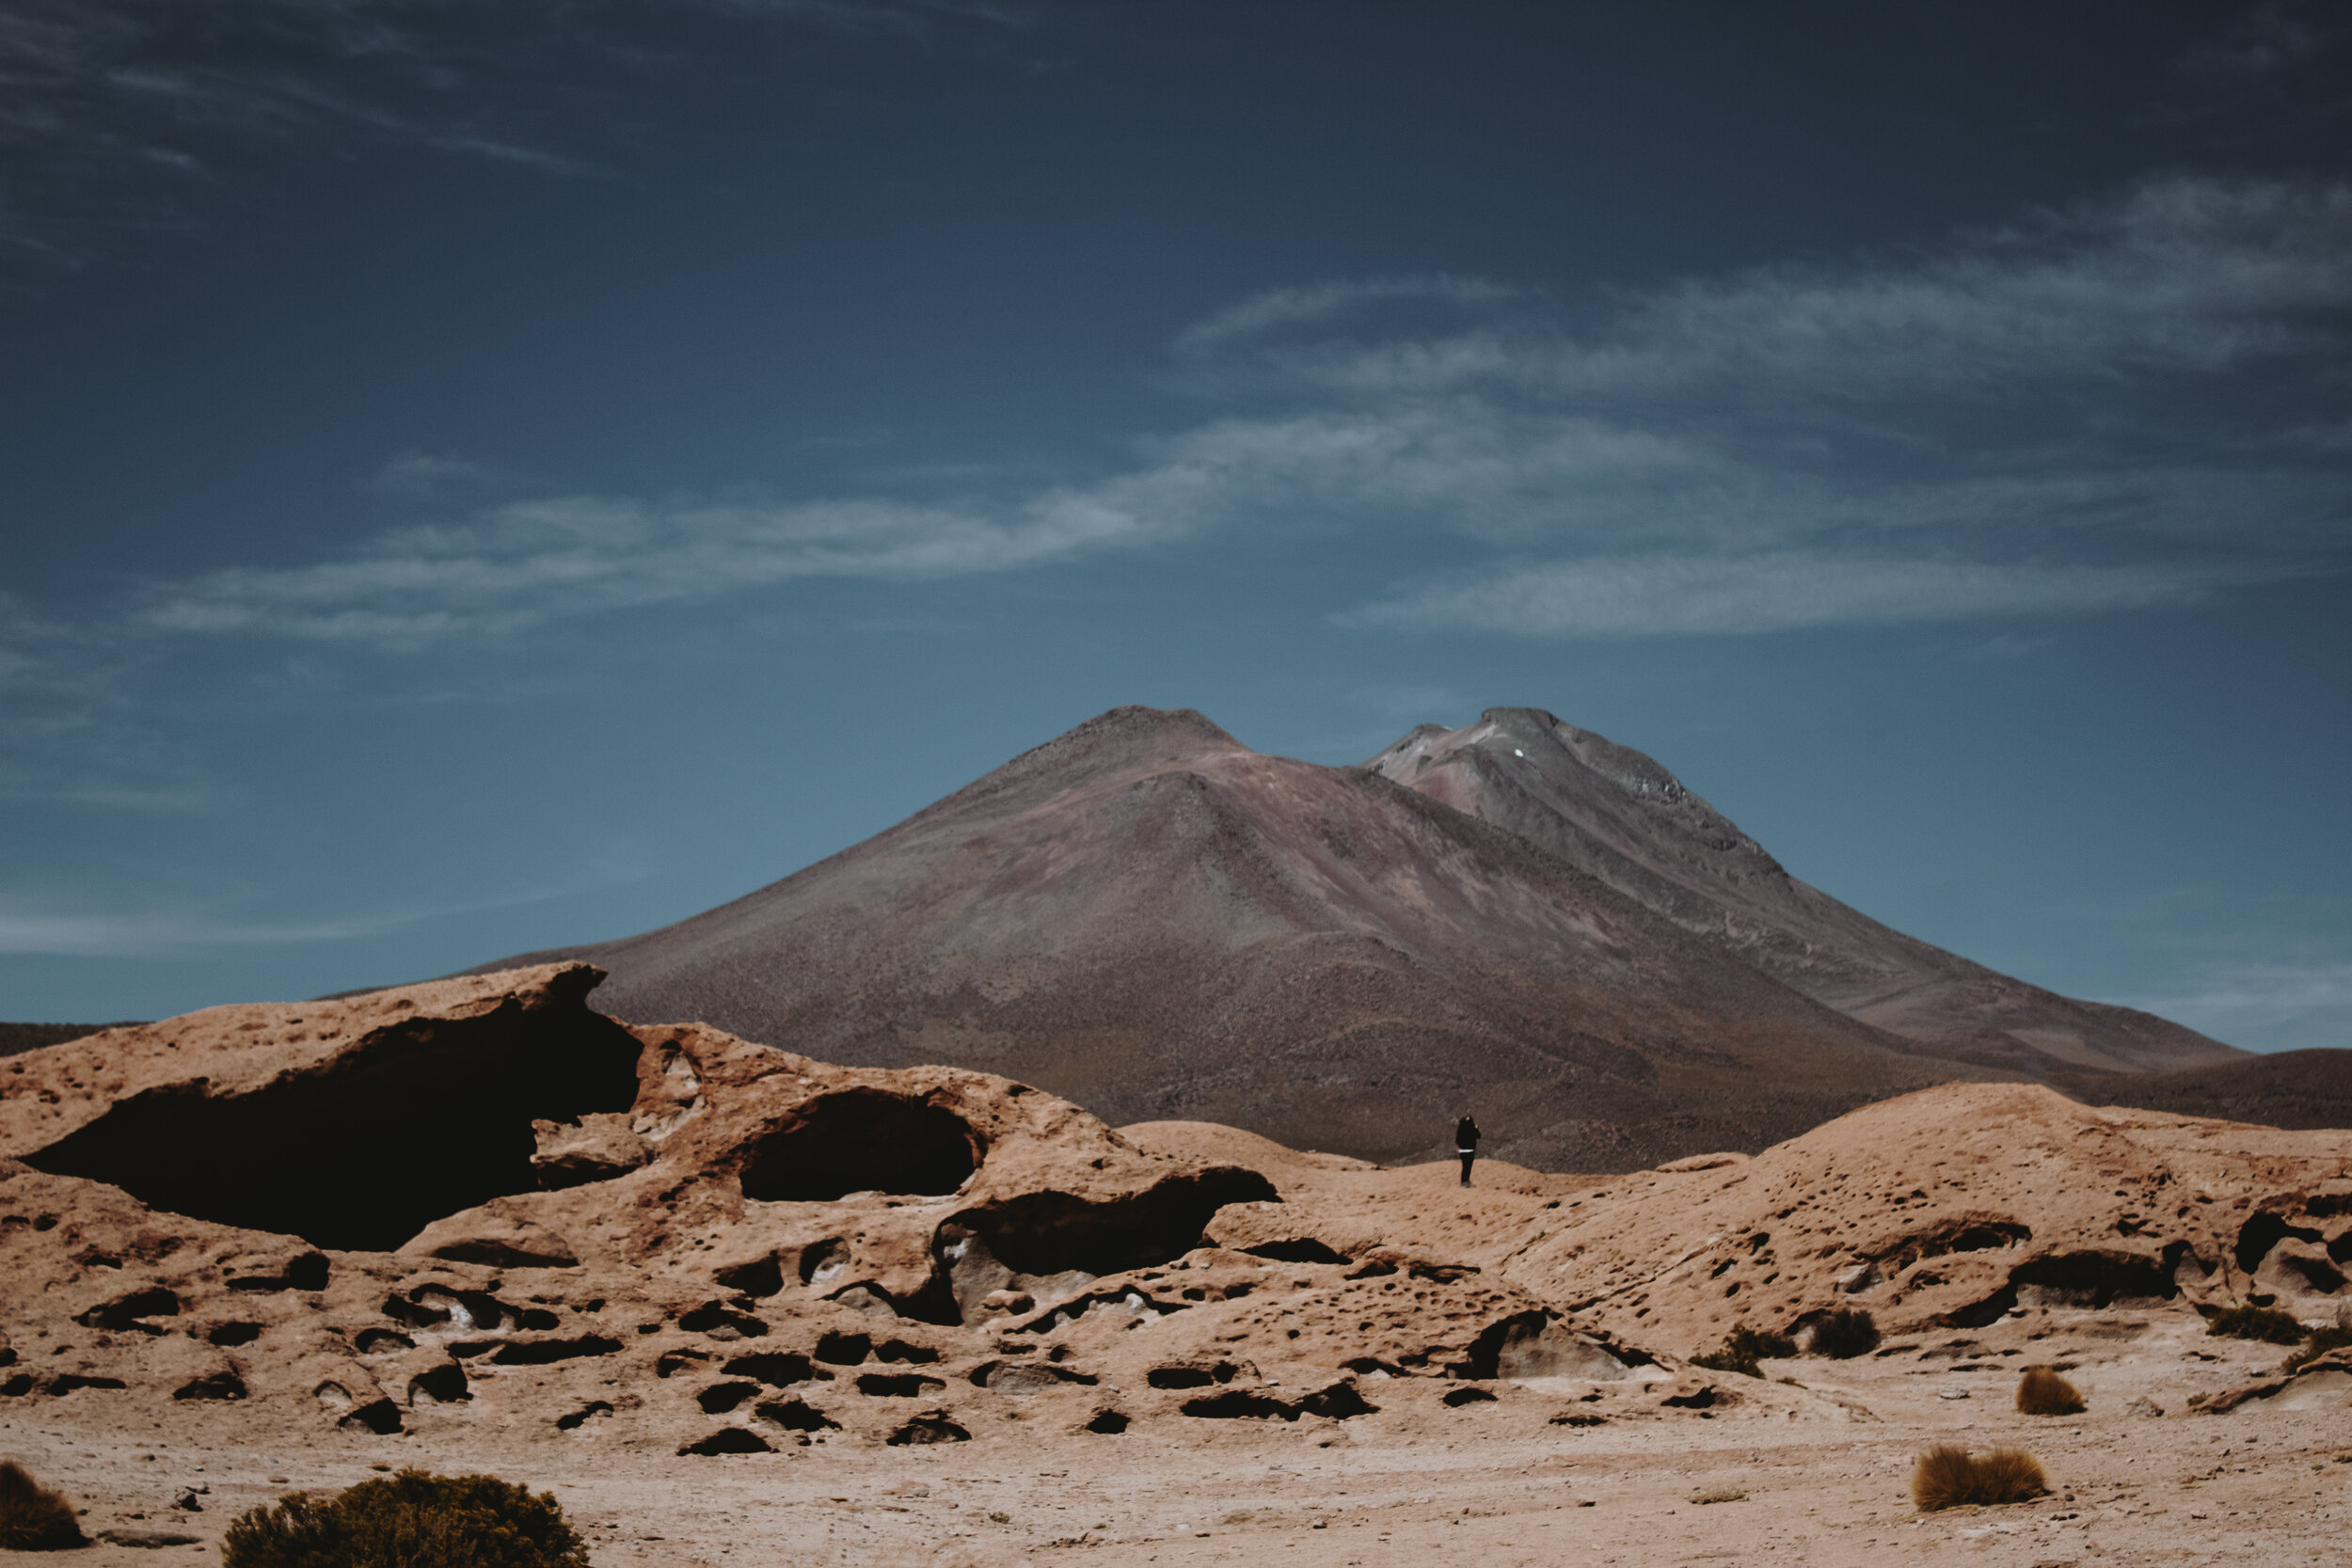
pixel 415 1519
pixel 2266 1324
pixel 2334 1337
pixel 1744 1349
pixel 32 1517
pixel 1848 1332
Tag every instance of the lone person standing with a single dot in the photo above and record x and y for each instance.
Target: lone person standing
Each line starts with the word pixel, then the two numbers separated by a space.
pixel 1466 1144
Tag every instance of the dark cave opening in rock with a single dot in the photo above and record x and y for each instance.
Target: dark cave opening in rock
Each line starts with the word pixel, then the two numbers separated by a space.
pixel 862 1140
pixel 1047 1232
pixel 426 1117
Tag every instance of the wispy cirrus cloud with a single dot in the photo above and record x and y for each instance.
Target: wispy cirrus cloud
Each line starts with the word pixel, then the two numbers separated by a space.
pixel 1781 591
pixel 33 927
pixel 521 564
pixel 124 115
pixel 2136 404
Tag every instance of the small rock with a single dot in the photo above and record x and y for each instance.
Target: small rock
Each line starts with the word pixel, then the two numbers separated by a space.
pixel 2143 1406
pixel 1720 1495
pixel 124 1536
pixel 1951 1393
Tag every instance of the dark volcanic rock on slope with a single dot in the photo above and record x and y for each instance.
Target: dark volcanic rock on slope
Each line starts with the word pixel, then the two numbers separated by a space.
pixel 1614 813
pixel 1149 918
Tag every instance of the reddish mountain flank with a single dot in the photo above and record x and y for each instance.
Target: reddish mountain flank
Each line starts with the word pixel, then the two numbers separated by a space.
pixel 1617 815
pixel 1150 919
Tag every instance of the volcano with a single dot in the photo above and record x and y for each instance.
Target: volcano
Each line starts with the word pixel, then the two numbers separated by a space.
pixel 1617 815
pixel 1148 917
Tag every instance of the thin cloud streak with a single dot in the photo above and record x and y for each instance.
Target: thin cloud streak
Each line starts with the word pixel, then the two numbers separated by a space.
pixel 530 562
pixel 27 930
pixel 1730 595
pixel 2076 415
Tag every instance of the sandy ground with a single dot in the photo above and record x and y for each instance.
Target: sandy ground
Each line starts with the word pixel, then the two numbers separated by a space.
pixel 1823 1470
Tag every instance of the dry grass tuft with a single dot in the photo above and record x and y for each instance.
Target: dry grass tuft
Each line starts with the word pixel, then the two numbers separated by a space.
pixel 32 1517
pixel 2335 1337
pixel 1947 1477
pixel 1744 1349
pixel 2266 1323
pixel 1842 1335
pixel 2042 1392
pixel 412 1520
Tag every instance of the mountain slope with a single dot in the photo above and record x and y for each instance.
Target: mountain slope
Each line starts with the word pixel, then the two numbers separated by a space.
pixel 1147 917
pixel 1617 815
pixel 2298 1089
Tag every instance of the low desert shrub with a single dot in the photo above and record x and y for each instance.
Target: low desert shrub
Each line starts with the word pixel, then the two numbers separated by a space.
pixel 32 1517
pixel 2042 1392
pixel 2266 1324
pixel 1848 1332
pixel 415 1519
pixel 1744 1349
pixel 1947 1477
pixel 2334 1337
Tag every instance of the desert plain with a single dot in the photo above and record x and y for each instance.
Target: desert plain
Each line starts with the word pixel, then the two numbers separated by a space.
pixel 664 1274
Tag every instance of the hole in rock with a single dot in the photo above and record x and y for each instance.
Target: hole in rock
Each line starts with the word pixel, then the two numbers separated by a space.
pixel 20 1385
pixel 126 1311
pixel 843 1350
pixel 372 1341
pixel 777 1369
pixel 1110 1423
pixel 720 1398
pixel 578 1418
pixel 1700 1399
pixel 1459 1397
pixel 421 1119
pixel 381 1416
pixel 2324 1279
pixel 65 1382
pixel 441 1384
pixel 1238 1403
pixel 2098 1279
pixel 796 1415
pixel 2340 1248
pixel 898 1386
pixel 672 1362
pixel 226 1334
pixel 762 1278
pixel 1045 1233
pixel 927 1429
pixel 2260 1232
pixel 1190 1374
pixel 862 1140
pixel 1341 1402
pixel 540 1352
pixel 729 1441
pixel 822 1262
pixel 898 1350
pixel 218 1385
pixel 305 1273
pixel 719 1323
pixel 1301 1250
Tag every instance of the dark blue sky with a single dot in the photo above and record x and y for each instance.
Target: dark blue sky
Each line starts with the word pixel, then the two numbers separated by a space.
pixel 475 478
